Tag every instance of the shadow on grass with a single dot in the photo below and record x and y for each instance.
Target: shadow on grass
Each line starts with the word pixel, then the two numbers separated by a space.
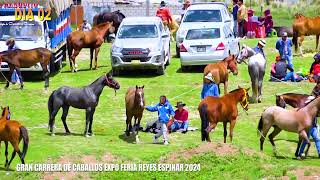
pixel 137 73
pixel 129 139
pixel 289 140
pixel 4 169
pixel 191 69
pixel 64 134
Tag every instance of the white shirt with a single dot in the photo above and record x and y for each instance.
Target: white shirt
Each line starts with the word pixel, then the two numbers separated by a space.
pixel 86 27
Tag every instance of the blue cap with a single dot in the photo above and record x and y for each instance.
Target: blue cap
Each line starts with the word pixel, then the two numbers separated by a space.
pixel 317 56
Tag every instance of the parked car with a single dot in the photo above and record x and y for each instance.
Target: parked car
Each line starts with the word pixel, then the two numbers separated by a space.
pixel 200 14
pixel 207 44
pixel 141 43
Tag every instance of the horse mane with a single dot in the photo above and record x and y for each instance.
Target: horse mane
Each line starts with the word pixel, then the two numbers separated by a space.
pixel 119 13
pixel 235 90
pixel 101 25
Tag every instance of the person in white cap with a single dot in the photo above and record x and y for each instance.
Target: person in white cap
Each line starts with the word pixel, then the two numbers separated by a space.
pixel 260 46
pixel 284 46
pixel 209 88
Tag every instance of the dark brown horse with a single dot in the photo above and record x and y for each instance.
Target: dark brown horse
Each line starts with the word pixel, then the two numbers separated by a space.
pixel 89 39
pixel 12 131
pixel 293 99
pixel 17 59
pixel 115 17
pixel 134 108
pixel 219 71
pixel 221 109
pixel 305 26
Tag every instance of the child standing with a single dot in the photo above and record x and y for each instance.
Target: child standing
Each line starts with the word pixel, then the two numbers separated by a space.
pixel 164 110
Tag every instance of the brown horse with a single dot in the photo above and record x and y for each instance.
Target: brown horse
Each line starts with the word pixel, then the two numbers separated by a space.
pixel 134 108
pixel 297 121
pixel 221 109
pixel 89 39
pixel 12 131
pixel 305 26
pixel 17 59
pixel 293 99
pixel 219 71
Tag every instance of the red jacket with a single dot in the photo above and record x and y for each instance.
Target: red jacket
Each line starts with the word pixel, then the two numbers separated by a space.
pixel 164 14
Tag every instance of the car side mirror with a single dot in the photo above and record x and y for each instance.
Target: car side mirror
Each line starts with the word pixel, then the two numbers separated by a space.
pixel 51 34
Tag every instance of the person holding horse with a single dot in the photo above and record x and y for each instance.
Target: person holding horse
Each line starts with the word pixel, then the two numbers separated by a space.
pixel 209 88
pixel 85 26
pixel 164 13
pixel 259 47
pixel 284 46
pixel 315 68
pixel 164 110
pixel 180 118
pixel 314 133
pixel 242 17
pixel 12 46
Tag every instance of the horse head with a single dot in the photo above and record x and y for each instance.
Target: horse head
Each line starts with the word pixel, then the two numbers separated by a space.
pixel 316 90
pixel 105 29
pixel 280 101
pixel 139 95
pixel 110 82
pixel 245 53
pixel 232 64
pixel 244 98
pixel 6 112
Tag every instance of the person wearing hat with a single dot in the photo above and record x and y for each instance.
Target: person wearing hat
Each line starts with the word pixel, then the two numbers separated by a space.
pixel 315 68
pixel 284 46
pixel 185 6
pixel 209 88
pixel 259 47
pixel 267 21
pixel 180 118
pixel 280 71
pixel 85 26
pixel 11 43
pixel 164 13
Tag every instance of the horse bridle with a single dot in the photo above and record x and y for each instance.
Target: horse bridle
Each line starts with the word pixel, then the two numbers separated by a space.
pixel 244 102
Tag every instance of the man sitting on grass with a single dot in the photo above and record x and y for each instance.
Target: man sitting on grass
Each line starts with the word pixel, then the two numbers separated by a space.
pixel 180 118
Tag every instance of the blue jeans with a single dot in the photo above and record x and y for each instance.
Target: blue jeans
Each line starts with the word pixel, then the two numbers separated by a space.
pixel 289 58
pixel 290 76
pixel 177 126
pixel 314 133
pixel 235 28
pixel 15 77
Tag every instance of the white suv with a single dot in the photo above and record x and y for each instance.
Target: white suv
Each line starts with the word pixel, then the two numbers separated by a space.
pixel 201 14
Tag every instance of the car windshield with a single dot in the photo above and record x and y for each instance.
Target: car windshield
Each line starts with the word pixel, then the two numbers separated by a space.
pixel 212 33
pixel 138 31
pixel 203 16
pixel 20 30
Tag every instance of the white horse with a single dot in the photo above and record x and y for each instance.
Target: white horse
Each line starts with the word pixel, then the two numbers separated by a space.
pixel 256 68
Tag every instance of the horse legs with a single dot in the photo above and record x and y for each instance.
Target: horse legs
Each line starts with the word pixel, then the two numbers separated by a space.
pixel 225 87
pixel 96 52
pixel 88 115
pixel 45 75
pixel 91 57
pixel 253 72
pixel 6 152
pixel 11 68
pixel 224 132
pixel 298 147
pixel 232 124
pixel 263 134
pixel 65 110
pixel 91 120
pixel 15 149
pixel 260 86
pixel 73 60
pixel 301 39
pixel 275 132
pixel 304 136
pixel 128 125
pixel 137 129
pixel 212 126
pixel 52 118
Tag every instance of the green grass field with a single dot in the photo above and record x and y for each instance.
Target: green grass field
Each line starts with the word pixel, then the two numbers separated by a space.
pixel 109 144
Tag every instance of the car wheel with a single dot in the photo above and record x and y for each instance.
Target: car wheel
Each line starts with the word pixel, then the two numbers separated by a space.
pixel 115 72
pixel 177 52
pixel 169 57
pixel 160 70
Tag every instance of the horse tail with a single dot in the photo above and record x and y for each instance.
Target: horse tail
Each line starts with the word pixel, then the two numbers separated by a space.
pixel 260 126
pixel 50 106
pixel 25 137
pixel 295 38
pixel 204 122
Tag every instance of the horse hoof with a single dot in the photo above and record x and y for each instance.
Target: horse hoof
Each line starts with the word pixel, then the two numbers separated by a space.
pixel 86 135
pixel 52 134
pixel 67 133
pixel 91 134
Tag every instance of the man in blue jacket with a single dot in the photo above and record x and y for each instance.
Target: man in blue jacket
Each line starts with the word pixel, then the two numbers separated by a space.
pixel 284 46
pixel 209 88
pixel 164 110
pixel 259 47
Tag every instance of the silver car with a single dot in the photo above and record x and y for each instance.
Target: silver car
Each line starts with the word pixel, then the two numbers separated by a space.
pixel 141 43
pixel 207 44
pixel 200 14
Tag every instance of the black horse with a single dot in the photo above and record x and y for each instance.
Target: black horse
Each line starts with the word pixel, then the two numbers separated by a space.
pixel 116 17
pixel 82 98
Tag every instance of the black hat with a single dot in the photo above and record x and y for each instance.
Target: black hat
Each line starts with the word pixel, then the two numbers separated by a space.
pixel 162 3
pixel 180 104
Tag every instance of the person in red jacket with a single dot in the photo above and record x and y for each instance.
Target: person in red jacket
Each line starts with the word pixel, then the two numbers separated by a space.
pixel 164 13
pixel 180 121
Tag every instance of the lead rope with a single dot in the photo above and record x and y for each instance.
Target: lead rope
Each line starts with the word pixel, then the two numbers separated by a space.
pixel 246 101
